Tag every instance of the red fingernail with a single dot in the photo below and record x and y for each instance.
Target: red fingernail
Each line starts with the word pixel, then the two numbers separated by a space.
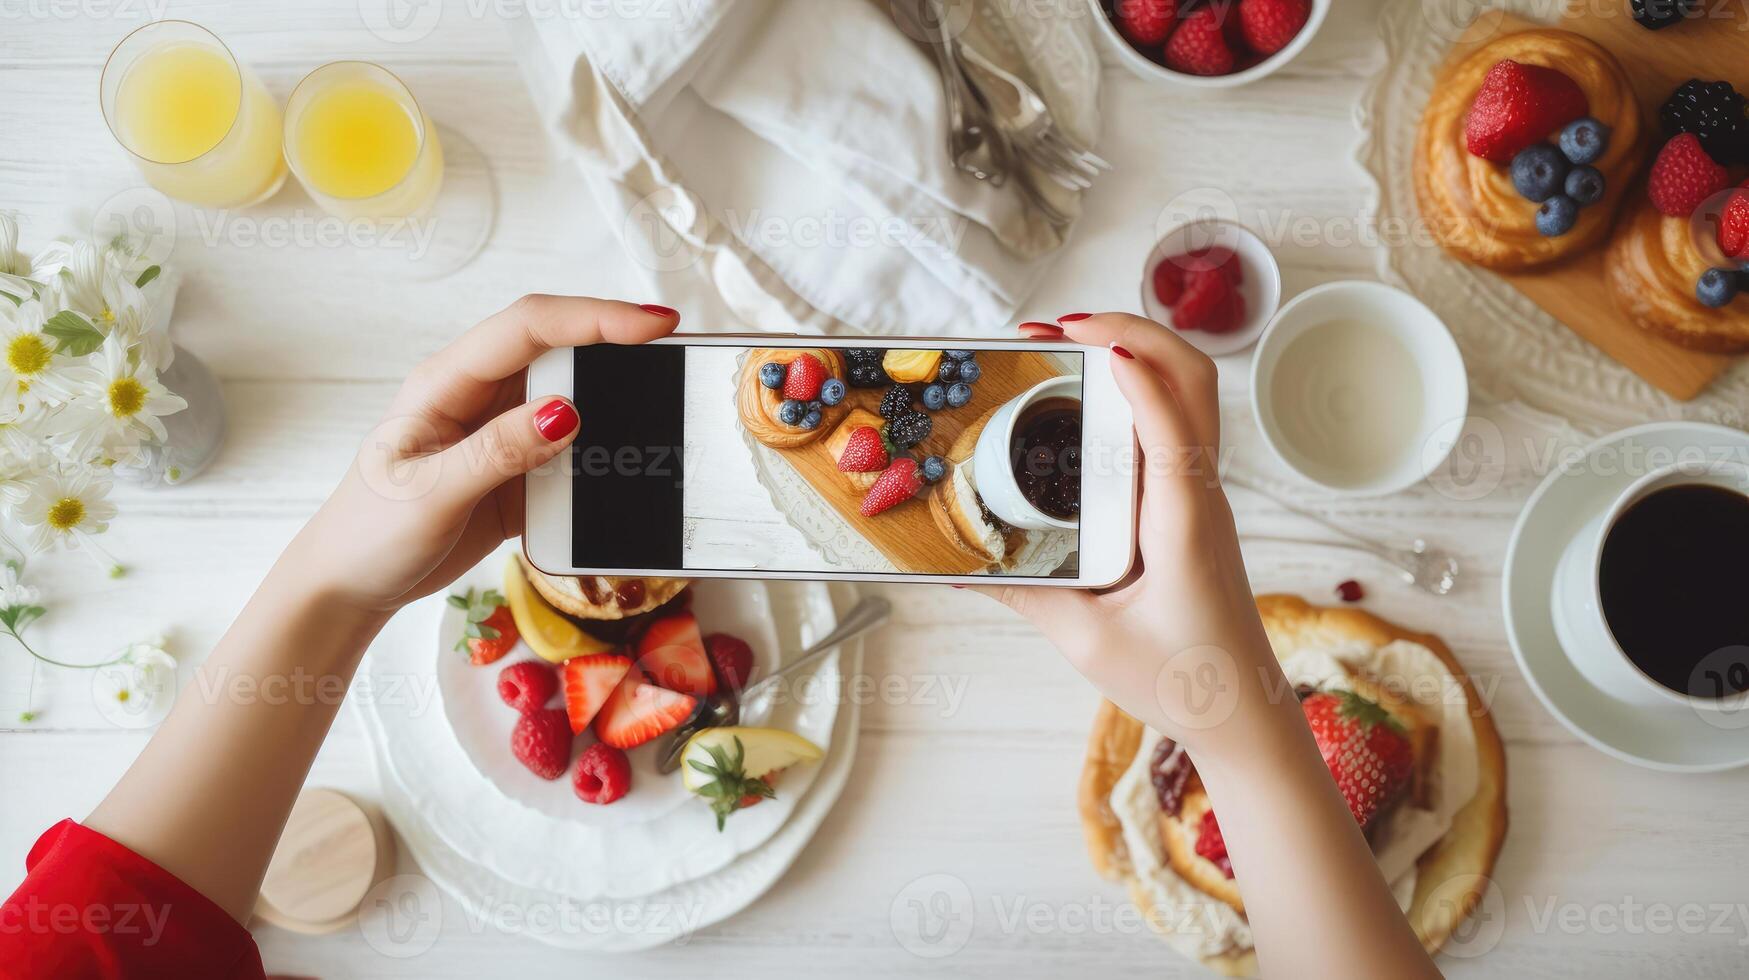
pixel 661 311
pixel 1073 318
pixel 959 586
pixel 556 420
pixel 1050 329
pixel 1119 351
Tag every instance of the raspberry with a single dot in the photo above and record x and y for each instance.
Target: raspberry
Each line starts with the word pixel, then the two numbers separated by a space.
pixel 541 741
pixel 1734 224
pixel 1268 25
pixel 1146 22
pixel 603 774
pixel 1199 46
pixel 732 658
pixel 1168 282
pixel 527 685
pixel 1684 177
pixel 1208 295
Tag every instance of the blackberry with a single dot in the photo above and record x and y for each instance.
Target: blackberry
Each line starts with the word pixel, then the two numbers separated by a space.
pixel 864 355
pixel 896 403
pixel 1714 112
pixel 867 375
pixel 909 429
pixel 1655 15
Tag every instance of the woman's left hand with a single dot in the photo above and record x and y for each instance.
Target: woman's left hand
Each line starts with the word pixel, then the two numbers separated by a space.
pixel 437 484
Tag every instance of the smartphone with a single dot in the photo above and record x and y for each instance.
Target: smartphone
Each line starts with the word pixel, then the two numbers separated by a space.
pixel 917 460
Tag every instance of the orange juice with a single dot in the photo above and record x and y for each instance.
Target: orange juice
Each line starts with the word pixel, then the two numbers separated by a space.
pixel 360 144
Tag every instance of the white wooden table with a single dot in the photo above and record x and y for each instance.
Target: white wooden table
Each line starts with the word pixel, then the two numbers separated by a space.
pixel 1609 871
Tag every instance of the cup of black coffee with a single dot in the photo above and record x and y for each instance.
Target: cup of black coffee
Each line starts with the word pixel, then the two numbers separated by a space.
pixel 1027 462
pixel 1651 599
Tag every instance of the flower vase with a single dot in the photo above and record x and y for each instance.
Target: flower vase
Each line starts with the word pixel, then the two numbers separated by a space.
pixel 195 433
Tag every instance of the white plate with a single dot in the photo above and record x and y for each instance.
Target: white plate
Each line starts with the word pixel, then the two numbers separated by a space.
pixel 1674 740
pixel 567 856
pixel 482 721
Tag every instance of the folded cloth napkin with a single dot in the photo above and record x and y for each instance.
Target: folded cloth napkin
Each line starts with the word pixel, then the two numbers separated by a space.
pixel 791 155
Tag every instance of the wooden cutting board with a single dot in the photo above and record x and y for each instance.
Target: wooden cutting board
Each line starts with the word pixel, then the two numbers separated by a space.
pixel 906 534
pixel 1573 292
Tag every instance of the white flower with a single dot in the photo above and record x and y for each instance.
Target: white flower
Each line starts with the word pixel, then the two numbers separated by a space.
pixel 138 689
pixel 112 405
pixel 14 592
pixel 27 359
pixel 14 265
pixel 63 508
pixel 88 280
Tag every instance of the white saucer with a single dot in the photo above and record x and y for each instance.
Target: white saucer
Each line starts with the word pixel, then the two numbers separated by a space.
pixel 1674 740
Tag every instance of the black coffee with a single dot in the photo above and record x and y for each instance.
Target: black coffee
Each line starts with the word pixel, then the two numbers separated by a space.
pixel 1674 579
pixel 1046 454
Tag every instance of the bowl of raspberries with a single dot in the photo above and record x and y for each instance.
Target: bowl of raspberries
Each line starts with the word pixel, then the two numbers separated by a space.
pixel 1209 43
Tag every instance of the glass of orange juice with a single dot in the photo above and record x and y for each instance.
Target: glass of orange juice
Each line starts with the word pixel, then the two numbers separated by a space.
pixel 360 144
pixel 198 123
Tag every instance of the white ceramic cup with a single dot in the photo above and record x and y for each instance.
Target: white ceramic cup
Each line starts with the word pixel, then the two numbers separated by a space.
pixel 993 470
pixel 1577 603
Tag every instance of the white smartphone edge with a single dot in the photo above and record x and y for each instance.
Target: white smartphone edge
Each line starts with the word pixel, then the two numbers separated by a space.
pixel 1108 503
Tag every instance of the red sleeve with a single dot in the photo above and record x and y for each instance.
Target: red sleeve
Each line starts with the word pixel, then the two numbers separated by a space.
pixel 90 907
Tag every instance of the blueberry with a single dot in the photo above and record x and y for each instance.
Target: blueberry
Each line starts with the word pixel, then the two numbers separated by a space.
pixel 958 355
pixel 934 468
pixel 1584 140
pixel 1717 287
pixel 958 394
pixel 1557 216
pixel 1585 185
pixel 771 375
pixel 811 420
pixel 1537 172
pixel 832 392
pixel 948 371
pixel 970 371
pixel 791 412
pixel 935 397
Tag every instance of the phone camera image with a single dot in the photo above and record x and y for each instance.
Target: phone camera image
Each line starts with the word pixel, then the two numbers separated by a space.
pixel 822 459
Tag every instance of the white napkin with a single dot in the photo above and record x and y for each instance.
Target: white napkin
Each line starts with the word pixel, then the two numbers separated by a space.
pixel 791 156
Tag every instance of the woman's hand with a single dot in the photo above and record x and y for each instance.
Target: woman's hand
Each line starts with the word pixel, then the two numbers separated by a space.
pixel 436 485
pixel 1180 643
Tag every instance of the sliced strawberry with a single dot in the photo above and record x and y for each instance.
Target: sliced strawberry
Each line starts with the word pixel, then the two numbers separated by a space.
pixel 637 712
pixel 896 485
pixel 671 652
pixel 864 452
pixel 589 682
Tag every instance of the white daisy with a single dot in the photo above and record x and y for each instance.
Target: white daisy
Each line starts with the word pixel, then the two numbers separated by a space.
pixel 112 405
pixel 63 508
pixel 89 280
pixel 14 265
pixel 27 359
pixel 14 592
pixel 137 690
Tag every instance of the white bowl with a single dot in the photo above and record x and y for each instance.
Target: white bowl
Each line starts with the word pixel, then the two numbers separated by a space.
pixel 1445 388
pixel 1142 66
pixel 1261 286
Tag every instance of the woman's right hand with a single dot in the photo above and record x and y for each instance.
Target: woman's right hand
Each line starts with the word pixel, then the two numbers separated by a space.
pixel 1179 645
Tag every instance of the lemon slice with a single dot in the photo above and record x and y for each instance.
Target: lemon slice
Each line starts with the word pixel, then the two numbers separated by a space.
pixel 764 751
pixel 549 634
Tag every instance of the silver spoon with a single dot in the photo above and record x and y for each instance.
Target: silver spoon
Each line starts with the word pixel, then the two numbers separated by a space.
pixel 1421 566
pixel 724 707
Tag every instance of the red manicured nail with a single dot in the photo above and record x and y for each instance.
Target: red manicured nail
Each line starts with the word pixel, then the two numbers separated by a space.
pixel 556 420
pixel 1049 329
pixel 959 586
pixel 1119 351
pixel 1073 318
pixel 661 311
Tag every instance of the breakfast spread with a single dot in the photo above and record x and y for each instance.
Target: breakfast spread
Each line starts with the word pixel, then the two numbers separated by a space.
pixel 1526 150
pixel 1676 266
pixel 1210 37
pixel 1407 740
pixel 646 683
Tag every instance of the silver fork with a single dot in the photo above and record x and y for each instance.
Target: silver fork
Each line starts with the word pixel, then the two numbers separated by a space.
pixel 1023 116
pixel 973 143
pixel 1424 567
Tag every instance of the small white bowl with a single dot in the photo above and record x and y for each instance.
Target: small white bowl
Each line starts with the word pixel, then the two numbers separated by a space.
pixel 1445 387
pixel 1261 286
pixel 1144 67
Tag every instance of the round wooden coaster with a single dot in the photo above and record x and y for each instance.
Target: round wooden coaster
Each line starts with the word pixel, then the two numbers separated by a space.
pixel 332 852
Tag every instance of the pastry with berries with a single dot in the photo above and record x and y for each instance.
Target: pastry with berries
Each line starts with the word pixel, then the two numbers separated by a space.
pixel 1526 150
pixel 792 396
pixel 1678 265
pixel 1407 742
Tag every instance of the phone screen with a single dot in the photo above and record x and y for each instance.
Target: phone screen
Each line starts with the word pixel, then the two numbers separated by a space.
pixel 903 460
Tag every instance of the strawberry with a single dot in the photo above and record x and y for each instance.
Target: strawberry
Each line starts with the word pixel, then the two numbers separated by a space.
pixel 1734 224
pixel 1199 45
pixel 1208 296
pixel 541 741
pixel 1684 177
pixel 732 658
pixel 671 653
pixel 1146 22
pixel 1519 105
pixel 803 380
pixel 637 712
pixel 1365 748
pixel 864 452
pixel 488 629
pixel 1231 315
pixel 527 685
pixel 589 681
pixel 1224 259
pixel 603 774
pixel 1169 282
pixel 1268 25
pixel 897 484
pixel 1210 845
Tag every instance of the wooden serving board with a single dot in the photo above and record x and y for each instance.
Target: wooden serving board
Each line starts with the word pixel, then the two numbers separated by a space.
pixel 906 534
pixel 1573 292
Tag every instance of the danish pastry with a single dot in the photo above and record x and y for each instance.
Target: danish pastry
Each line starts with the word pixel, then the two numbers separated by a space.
pixel 760 406
pixel 1653 266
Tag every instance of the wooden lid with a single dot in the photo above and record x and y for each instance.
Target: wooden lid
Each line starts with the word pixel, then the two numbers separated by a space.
pixel 332 852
